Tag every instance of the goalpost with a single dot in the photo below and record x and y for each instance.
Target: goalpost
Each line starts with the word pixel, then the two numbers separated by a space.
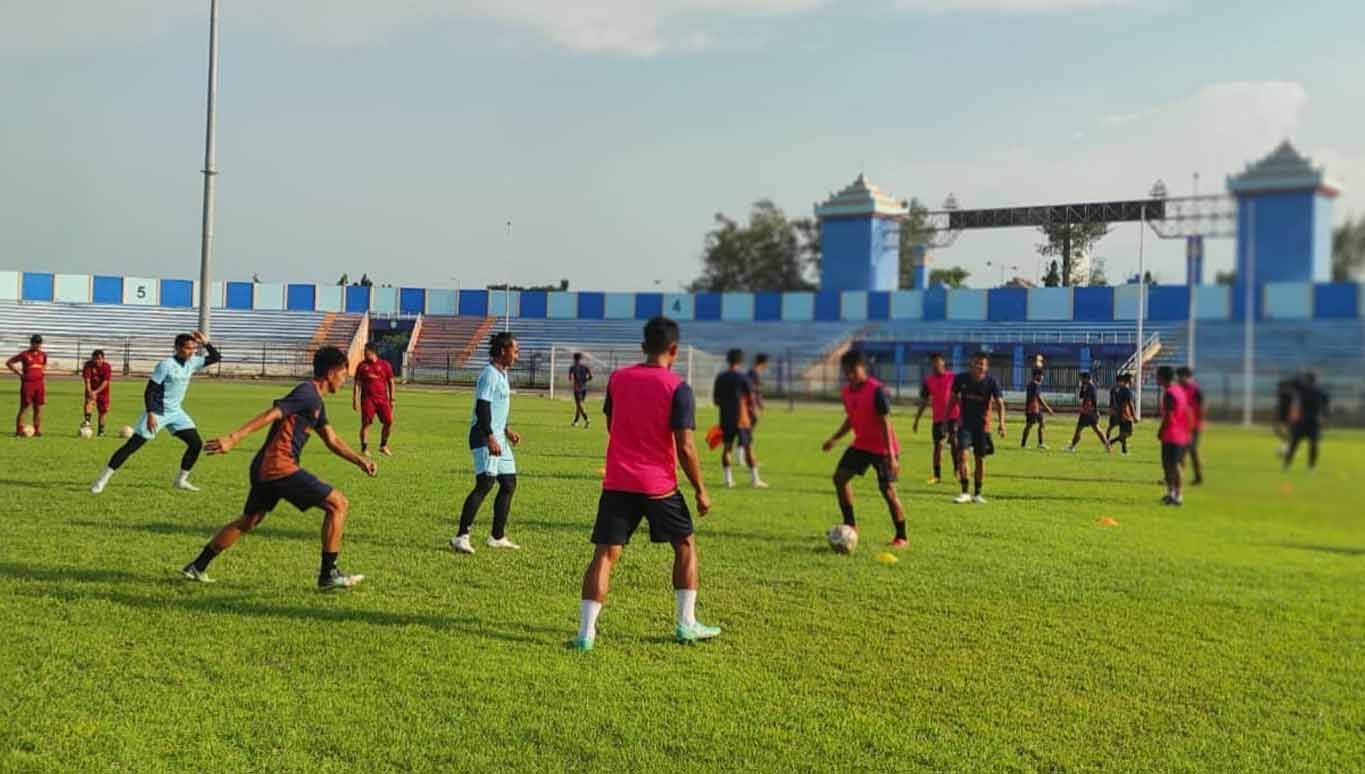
pixel 696 367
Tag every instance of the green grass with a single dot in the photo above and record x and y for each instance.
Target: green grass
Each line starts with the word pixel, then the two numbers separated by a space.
pixel 1022 635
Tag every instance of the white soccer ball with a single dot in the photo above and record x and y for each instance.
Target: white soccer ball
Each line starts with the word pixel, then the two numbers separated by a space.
pixel 842 538
pixel 27 431
pixel 125 432
pixel 86 432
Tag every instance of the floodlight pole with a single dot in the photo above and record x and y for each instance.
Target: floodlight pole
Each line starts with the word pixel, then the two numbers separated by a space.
pixel 507 291
pixel 210 171
pixel 1142 307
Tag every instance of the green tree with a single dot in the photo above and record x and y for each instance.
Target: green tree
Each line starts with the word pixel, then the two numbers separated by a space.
pixel 915 230
pixel 770 252
pixel 1067 239
pixel 1053 278
pixel 955 277
pixel 1348 250
pixel 1097 277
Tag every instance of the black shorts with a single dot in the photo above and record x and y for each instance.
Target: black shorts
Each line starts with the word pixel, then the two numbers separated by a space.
pixel 1114 421
pixel 978 440
pixel 580 394
pixel 743 435
pixel 619 513
pixel 857 461
pixel 1125 427
pixel 1282 408
pixel 1309 431
pixel 302 489
pixel 1194 439
pixel 945 430
pixel 1034 419
pixel 1172 454
pixel 1087 420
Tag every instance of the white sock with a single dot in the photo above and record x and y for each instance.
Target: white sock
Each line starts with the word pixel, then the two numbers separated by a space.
pixel 687 606
pixel 106 475
pixel 753 474
pixel 729 476
pixel 183 477
pixel 587 618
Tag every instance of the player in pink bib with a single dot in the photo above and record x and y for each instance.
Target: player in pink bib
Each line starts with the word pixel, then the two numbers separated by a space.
pixel 868 415
pixel 651 418
pixel 1174 432
pixel 937 389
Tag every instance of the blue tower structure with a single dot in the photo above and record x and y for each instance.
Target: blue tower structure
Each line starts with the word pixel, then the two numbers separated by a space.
pixel 1284 209
pixel 860 238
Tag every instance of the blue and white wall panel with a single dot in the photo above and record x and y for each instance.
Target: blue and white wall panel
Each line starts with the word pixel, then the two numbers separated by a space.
pixel 562 306
pixel 965 304
pixel 330 298
pixel 443 302
pixel 383 301
pixel 619 306
pixel 798 307
pixel 71 289
pixel 269 296
pixel 9 286
pixel 1213 302
pixel 853 305
pixel 907 305
pixel 500 303
pixel 141 291
pixel 737 307
pixel 1287 301
pixel 1051 304
pixel 679 306
pixel 1126 302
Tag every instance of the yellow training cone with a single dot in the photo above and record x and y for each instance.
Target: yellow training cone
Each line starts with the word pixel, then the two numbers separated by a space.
pixel 1108 521
pixel 887 558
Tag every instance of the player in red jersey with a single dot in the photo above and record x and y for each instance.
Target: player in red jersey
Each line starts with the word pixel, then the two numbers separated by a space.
pixel 867 412
pixel 97 375
pixel 30 366
pixel 651 418
pixel 1174 433
pixel 937 389
pixel 373 395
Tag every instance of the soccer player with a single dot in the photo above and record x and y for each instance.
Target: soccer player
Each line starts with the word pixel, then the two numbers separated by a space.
pixel 491 442
pixel 374 395
pixel 97 376
pixel 276 474
pixel 977 393
pixel 1312 404
pixel 1090 413
pixel 1034 406
pixel 937 389
pixel 162 399
pixel 1285 393
pixel 756 381
pixel 30 366
pixel 651 416
pixel 579 376
pixel 1174 433
pixel 1121 412
pixel 734 396
pixel 867 412
pixel 1185 378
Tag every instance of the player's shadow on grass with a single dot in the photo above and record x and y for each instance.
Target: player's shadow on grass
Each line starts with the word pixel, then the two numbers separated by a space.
pixel 1072 479
pixel 61 574
pixel 203 532
pixel 1342 550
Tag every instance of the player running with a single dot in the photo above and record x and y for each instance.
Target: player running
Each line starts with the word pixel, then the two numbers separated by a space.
pixel 1121 412
pixel 1034 406
pixel 937 389
pixel 1312 404
pixel 1090 413
pixel 651 416
pixel 491 442
pixel 1185 378
pixel 31 367
pixel 1285 393
pixel 867 412
pixel 579 376
pixel 374 395
pixel 977 393
pixel 162 401
pixel 276 474
pixel 734 397
pixel 1174 433
pixel 97 376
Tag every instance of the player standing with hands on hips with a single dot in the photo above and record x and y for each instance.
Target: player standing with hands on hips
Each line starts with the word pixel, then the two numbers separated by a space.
pixel 31 370
pixel 373 396
pixel 491 442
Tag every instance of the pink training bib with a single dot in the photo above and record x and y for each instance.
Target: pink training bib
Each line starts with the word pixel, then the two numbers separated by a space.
pixel 641 454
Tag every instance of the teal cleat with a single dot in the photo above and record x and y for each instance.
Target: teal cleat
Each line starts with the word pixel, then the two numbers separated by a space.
pixel 583 644
pixel 696 631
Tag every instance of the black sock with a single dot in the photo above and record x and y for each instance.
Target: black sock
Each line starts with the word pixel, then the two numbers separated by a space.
pixel 1040 436
pixel 978 488
pixel 847 510
pixel 963 481
pixel 329 562
pixel 938 469
pixel 87 417
pixel 900 530
pixel 1123 444
pixel 205 556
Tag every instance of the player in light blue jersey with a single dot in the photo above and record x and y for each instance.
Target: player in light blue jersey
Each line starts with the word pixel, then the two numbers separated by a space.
pixel 491 442
pixel 162 403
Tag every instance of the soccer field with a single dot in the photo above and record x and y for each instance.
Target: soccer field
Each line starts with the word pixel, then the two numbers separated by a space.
pixel 1019 635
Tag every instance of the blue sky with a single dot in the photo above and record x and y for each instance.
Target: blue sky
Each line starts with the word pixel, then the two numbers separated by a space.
pixel 397 138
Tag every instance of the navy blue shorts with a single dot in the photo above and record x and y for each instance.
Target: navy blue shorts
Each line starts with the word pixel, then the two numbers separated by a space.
pixel 977 439
pixel 742 436
pixel 301 489
pixel 1172 454
pixel 580 394
pixel 857 461
pixel 945 431
pixel 1087 420
pixel 619 514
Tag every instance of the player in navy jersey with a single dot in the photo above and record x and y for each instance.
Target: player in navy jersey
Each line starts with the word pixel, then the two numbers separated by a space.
pixel 276 475
pixel 1034 406
pixel 977 393
pixel 1090 413
pixel 579 376
pixel 1121 412
pixel 1311 407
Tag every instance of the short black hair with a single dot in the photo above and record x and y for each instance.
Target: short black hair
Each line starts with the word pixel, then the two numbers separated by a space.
pixel 852 359
pixel 1085 375
pixel 980 355
pixel 370 346
pixel 182 340
pixel 1165 374
pixel 661 333
pixel 1184 371
pixel 935 356
pixel 499 342
pixel 1037 372
pixel 577 356
pixel 1125 377
pixel 327 360
pixel 1310 377
pixel 35 339
pixel 734 357
pixel 760 358
pixel 97 353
